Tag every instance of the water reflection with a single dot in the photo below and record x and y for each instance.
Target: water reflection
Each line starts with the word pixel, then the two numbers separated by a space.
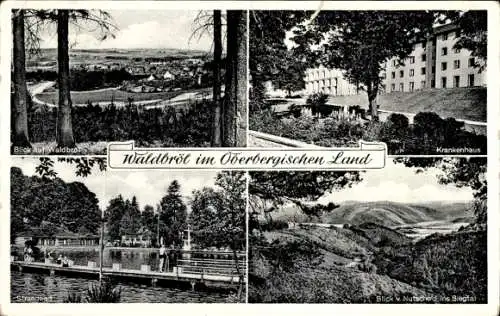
pixel 33 287
pixel 130 258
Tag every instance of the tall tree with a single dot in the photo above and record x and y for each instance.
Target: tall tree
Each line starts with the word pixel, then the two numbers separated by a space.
pixel 218 216
pixel 64 121
pixel 148 222
pixel 113 216
pixel 291 77
pixel 235 92
pixel 217 123
pixel 20 135
pixel 102 22
pixel 360 42
pixel 130 223
pixel 473 27
pixel 271 58
pixel 173 215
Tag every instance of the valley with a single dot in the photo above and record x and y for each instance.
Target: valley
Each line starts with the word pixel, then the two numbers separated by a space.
pixel 371 252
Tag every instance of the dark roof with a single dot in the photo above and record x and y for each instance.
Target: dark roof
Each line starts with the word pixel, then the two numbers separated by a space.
pixel 57 233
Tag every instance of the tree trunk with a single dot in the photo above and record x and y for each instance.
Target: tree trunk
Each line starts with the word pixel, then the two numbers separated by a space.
pixel 64 126
pixel 234 110
pixel 217 124
pixel 372 96
pixel 20 137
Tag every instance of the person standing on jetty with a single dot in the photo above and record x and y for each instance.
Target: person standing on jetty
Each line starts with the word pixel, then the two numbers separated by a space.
pixel 163 256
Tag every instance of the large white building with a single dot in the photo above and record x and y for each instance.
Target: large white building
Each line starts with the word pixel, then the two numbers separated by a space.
pixel 435 64
pixel 329 81
pixel 432 64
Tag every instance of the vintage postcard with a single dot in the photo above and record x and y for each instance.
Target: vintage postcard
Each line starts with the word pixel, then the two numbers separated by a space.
pixel 249 157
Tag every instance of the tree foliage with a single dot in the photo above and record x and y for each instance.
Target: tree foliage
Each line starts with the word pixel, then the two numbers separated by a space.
pixel 218 215
pixel 473 27
pixel 271 60
pixel 360 42
pixel 270 190
pixel 173 215
pixel 113 216
pixel 40 201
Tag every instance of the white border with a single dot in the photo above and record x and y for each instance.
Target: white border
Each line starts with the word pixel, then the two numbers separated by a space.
pixel 6 308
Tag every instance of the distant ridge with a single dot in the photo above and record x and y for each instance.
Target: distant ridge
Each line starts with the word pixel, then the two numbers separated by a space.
pixel 384 213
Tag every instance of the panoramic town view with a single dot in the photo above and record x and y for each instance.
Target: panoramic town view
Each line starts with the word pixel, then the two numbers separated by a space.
pixel 413 79
pixel 413 232
pixel 82 78
pixel 82 233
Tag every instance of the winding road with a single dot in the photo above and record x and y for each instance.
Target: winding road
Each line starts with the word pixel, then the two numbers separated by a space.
pixel 180 100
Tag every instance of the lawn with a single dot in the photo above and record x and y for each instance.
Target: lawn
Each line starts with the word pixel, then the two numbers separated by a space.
pixel 82 97
pixel 459 103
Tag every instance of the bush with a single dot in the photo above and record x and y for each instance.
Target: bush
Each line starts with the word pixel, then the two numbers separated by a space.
pixel 428 132
pixel 93 123
pixel 295 109
pixel 289 256
pixel 103 292
pixel 317 103
pixel 273 225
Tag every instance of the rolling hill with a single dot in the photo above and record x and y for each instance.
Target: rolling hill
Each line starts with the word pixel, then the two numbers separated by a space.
pixel 436 267
pixel 384 213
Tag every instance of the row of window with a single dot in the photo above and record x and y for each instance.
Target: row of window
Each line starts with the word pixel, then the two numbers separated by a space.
pixel 444 66
pixel 444 83
pixel 444 51
pixel 423 57
pixel 319 74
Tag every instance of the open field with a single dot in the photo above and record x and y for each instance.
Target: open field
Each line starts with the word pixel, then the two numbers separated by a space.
pixel 82 97
pixel 77 56
pixel 459 103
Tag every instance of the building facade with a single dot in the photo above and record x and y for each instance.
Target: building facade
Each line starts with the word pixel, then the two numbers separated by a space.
pixel 432 64
pixel 60 240
pixel 329 81
pixel 435 64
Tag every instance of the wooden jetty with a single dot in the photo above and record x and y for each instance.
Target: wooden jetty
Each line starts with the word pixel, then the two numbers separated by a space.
pixel 194 277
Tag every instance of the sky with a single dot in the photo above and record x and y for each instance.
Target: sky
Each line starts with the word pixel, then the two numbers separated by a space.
pixel 398 183
pixel 148 186
pixel 138 29
pixel 395 183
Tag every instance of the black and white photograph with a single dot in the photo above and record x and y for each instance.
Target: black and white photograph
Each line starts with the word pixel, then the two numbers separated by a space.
pixel 415 80
pixel 162 78
pixel 413 232
pixel 83 234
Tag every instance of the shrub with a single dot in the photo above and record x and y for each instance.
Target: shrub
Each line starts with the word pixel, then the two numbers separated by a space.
pixel 105 292
pixel 291 255
pixel 93 123
pixel 273 225
pixel 295 109
pixel 317 103
pixel 425 136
